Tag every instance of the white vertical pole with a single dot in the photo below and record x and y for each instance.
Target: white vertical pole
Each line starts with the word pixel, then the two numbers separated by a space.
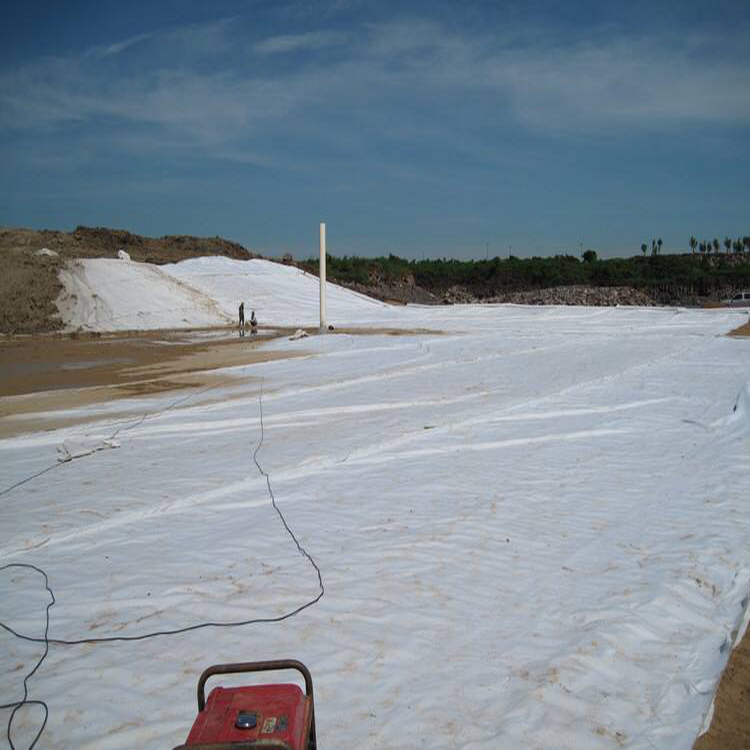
pixel 322 276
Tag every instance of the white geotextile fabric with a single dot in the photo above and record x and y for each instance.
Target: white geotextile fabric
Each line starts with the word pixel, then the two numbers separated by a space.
pixel 532 528
pixel 104 294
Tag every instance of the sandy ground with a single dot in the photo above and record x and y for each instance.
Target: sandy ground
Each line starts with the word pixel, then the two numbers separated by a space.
pixel 45 375
pixel 730 727
pixel 741 331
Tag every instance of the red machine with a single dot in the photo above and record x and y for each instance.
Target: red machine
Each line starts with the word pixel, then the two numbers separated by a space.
pixel 260 717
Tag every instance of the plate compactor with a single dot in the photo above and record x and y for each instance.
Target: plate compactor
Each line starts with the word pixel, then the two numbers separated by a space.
pixel 258 717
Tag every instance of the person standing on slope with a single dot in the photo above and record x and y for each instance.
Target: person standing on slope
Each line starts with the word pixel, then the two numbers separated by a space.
pixel 242 318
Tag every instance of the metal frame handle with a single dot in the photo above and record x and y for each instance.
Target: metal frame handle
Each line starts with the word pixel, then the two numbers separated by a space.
pixel 253 666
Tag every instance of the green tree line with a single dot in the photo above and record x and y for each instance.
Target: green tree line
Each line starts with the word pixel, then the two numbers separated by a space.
pixel 703 274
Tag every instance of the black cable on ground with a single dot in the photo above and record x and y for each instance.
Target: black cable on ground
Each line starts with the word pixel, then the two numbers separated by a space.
pixel 17 705
pixel 300 548
pixel 125 426
pixel 47 641
pixel 29 478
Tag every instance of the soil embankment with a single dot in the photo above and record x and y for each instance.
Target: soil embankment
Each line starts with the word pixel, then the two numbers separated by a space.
pixel 31 261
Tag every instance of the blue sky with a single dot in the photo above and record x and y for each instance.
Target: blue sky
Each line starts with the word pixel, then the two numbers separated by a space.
pixel 420 128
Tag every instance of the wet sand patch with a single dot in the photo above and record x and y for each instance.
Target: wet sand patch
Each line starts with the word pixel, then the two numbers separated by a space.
pixel 51 410
pixel 46 363
pixel 56 362
pixel 43 377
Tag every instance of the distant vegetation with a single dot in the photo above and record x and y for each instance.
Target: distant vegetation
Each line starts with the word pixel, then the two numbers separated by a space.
pixel 705 274
pixel 741 244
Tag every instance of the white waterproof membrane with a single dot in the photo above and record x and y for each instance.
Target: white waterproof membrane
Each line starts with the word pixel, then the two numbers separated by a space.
pixel 533 528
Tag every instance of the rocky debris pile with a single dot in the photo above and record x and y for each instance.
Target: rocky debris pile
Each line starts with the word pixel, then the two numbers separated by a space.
pixel 406 291
pixel 594 296
pixel 458 295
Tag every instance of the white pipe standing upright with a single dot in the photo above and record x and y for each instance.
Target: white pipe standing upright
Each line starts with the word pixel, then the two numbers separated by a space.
pixel 322 276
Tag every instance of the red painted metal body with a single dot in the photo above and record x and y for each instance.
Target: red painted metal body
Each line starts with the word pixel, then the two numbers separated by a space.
pixel 272 717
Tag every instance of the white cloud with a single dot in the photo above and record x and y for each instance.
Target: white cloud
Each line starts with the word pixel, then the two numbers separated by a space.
pixel 627 82
pixel 605 84
pixel 213 36
pixel 312 40
pixel 117 47
pixel 642 83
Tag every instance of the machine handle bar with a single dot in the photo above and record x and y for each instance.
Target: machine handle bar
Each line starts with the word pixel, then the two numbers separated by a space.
pixel 253 666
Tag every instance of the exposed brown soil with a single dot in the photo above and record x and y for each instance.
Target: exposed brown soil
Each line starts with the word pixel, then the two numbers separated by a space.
pixel 33 364
pixel 48 410
pixel 742 331
pixel 730 726
pixel 42 377
pixel 99 242
pixel 28 289
pixel 29 283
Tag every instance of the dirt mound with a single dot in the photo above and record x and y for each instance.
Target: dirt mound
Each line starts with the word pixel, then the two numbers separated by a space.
pixel 28 289
pixel 99 242
pixel 29 283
